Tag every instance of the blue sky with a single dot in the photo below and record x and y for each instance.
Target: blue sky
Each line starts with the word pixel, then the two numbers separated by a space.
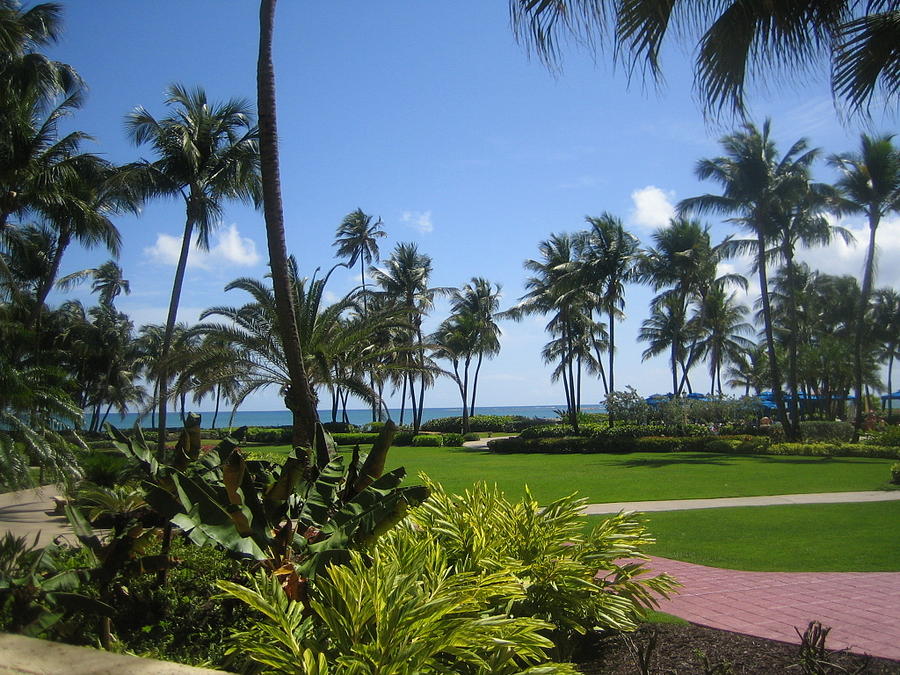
pixel 430 116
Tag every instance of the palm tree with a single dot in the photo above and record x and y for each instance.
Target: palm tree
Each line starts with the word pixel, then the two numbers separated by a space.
pixel 479 302
pixel 734 39
pixel 887 321
pixel 606 258
pixel 83 217
pixel 723 329
pixel 357 239
pixel 684 263
pixel 301 399
pixel 667 328
pixel 870 183
pixel 404 279
pixel 336 349
pixel 206 154
pixel 550 291
pixel 756 186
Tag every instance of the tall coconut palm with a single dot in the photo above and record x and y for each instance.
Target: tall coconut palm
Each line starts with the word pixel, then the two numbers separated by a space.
pixel 357 239
pixel 723 332
pixel 887 322
pixel 756 184
pixel 606 258
pixel 301 399
pixel 550 291
pixel 870 183
pixel 734 40
pixel 404 278
pixel 479 303
pixel 667 328
pixel 683 262
pixel 206 154
pixel 90 199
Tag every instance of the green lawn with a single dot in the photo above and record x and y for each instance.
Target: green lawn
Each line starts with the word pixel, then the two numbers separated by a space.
pixel 797 538
pixel 640 476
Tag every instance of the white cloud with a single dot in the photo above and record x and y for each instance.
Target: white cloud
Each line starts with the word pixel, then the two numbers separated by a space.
pixel 839 258
pixel 418 220
pixel 229 248
pixel 652 207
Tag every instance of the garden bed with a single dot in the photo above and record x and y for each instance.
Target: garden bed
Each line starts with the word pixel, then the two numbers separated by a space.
pixel 681 648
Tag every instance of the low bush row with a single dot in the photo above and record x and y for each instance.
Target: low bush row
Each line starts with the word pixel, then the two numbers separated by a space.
pixel 617 431
pixel 725 444
pixel 508 423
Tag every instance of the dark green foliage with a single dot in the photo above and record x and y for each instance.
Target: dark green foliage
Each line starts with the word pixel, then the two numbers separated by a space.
pixel 890 437
pixel 756 445
pixel 404 438
pixel 618 431
pixel 824 430
pixel 508 423
pixel 452 440
pixel 354 438
pixel 471 436
pixel 345 427
pixel 895 473
pixel 373 427
pixel 277 435
pixel 107 468
pixel 427 441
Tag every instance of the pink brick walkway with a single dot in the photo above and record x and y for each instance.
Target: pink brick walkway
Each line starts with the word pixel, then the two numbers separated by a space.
pixel 862 608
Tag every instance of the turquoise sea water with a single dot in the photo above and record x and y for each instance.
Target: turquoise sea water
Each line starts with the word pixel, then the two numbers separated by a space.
pixel 277 418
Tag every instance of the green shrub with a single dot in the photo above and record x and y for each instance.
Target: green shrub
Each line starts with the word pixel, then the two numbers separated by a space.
pixel 404 438
pixel 274 435
pixel 889 437
pixel 508 423
pixel 427 441
pixel 471 436
pixel 548 431
pixel 452 440
pixel 343 427
pixel 660 444
pixel 358 438
pixel 550 551
pixel 824 430
pixel 374 427
pixel 895 473
pixel 834 450
pixel 106 468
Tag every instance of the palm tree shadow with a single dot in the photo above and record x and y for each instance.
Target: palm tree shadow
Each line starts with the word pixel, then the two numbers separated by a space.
pixel 676 458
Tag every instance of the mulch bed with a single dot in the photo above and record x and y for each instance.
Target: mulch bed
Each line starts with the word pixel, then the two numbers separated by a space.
pixel 680 649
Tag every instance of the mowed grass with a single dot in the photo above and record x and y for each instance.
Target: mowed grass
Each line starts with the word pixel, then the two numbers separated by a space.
pixel 637 476
pixel 797 538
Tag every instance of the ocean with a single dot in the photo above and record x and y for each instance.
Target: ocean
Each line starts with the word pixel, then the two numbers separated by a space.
pixel 277 418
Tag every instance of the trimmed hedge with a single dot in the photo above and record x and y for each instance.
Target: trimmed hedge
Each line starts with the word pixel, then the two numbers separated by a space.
pixel 617 431
pixel 824 430
pixel 452 440
pixel 357 438
pixel 509 423
pixel 427 441
pixel 751 445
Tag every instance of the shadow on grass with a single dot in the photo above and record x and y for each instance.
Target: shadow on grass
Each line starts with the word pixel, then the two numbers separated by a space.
pixel 677 458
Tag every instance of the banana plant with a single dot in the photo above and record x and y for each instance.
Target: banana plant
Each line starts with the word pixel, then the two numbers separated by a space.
pixel 35 593
pixel 294 518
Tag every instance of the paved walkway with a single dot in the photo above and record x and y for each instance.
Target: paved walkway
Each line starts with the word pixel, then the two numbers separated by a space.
pixel 24 513
pixel 862 608
pixel 721 502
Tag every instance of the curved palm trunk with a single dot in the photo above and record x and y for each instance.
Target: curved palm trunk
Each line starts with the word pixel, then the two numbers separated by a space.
pixel 475 383
pixel 417 422
pixel 792 343
pixel 774 371
pixel 612 353
pixel 163 381
pixel 44 289
pixel 890 391
pixel 300 399
pixel 218 398
pixel 868 275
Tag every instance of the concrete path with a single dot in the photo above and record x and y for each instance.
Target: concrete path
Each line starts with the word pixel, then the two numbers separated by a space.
pixel 721 502
pixel 862 608
pixel 25 514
